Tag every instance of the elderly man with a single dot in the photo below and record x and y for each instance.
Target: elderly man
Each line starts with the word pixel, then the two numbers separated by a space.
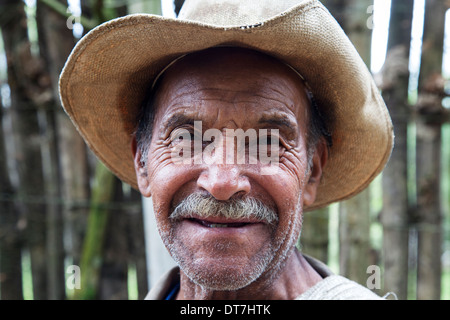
pixel 283 76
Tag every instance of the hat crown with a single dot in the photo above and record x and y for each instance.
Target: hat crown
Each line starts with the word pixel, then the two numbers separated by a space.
pixel 233 12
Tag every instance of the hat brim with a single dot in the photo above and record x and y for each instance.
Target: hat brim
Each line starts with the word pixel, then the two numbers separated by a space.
pixel 110 70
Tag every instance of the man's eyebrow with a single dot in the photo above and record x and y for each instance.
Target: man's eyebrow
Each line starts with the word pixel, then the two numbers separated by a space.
pixel 281 121
pixel 178 119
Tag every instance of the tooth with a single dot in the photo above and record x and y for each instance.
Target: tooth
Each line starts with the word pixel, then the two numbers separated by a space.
pixel 215 225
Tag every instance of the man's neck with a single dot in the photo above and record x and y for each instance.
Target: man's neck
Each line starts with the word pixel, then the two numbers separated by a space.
pixel 295 277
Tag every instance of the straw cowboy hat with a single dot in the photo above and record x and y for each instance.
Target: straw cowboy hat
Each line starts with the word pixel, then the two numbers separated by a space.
pixel 111 69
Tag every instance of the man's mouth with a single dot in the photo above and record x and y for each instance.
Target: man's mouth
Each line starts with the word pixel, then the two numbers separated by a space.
pixel 216 224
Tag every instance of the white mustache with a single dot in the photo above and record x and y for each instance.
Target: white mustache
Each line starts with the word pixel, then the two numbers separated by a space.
pixel 200 206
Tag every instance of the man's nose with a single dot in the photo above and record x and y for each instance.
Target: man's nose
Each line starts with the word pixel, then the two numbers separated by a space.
pixel 223 181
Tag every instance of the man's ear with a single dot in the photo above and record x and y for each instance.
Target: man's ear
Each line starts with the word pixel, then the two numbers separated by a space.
pixel 141 171
pixel 318 162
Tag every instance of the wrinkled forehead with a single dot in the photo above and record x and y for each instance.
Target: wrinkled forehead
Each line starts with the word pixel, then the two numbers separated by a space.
pixel 234 69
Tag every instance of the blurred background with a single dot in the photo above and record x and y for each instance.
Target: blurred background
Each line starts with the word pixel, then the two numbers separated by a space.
pixel 63 214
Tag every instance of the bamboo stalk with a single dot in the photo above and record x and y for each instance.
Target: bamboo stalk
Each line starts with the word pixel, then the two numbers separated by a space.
pixel 92 257
pixel 395 213
pixel 10 245
pixel 429 215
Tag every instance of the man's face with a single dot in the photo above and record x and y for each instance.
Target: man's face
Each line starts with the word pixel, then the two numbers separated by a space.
pixel 230 89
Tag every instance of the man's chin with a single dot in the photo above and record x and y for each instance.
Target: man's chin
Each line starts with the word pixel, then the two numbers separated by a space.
pixel 224 273
pixel 226 278
pixel 219 262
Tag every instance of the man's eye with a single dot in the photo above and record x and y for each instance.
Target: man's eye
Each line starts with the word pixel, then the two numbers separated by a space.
pixel 269 140
pixel 186 136
pixel 181 136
